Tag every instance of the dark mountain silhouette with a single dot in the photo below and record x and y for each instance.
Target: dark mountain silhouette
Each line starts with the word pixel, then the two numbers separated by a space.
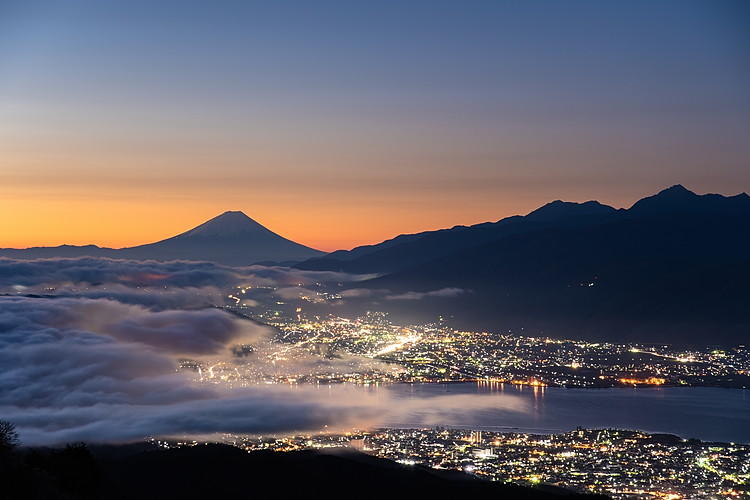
pixel 219 471
pixel 677 200
pixel 564 210
pixel 408 250
pixel 674 267
pixel 231 238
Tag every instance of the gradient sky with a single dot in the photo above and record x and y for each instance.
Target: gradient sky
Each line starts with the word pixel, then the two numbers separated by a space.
pixel 343 123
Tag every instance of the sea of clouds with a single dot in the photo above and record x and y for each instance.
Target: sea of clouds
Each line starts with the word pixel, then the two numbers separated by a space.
pixel 90 351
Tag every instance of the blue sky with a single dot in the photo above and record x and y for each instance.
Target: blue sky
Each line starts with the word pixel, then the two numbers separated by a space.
pixel 410 115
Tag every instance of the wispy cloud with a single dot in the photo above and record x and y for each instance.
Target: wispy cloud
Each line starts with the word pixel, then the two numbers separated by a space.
pixel 443 292
pixel 175 284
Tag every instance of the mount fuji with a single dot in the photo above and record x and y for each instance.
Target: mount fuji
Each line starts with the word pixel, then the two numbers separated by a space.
pixel 231 238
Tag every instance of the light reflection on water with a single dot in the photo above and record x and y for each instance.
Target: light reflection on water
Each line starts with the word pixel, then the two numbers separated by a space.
pixel 706 413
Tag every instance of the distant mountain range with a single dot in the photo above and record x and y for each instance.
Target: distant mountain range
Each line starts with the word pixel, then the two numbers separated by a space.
pixel 673 267
pixel 231 238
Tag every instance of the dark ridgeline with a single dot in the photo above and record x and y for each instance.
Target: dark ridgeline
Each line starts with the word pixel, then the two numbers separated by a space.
pixel 220 471
pixel 675 267
pixel 232 238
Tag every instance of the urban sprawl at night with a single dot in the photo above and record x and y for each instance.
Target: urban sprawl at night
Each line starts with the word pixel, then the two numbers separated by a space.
pixel 435 352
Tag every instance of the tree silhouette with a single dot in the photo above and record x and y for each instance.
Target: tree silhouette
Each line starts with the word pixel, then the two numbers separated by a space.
pixel 8 436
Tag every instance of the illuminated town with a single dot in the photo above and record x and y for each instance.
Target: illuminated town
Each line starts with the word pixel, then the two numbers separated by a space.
pixel 370 349
pixel 621 464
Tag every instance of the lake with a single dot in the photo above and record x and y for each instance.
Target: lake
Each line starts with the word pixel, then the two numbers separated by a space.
pixel 711 414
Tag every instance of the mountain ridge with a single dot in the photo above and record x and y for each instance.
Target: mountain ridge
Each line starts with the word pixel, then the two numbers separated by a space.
pixel 679 199
pixel 229 222
pixel 670 269
pixel 558 211
pixel 231 238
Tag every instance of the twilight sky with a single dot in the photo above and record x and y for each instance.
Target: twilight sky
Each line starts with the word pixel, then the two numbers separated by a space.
pixel 343 123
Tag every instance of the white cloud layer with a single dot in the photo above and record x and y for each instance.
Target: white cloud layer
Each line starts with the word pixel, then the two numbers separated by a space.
pixel 100 362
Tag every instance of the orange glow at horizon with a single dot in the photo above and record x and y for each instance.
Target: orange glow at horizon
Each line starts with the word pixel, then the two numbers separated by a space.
pixel 323 207
pixel 122 223
pixel 322 216
pixel 125 126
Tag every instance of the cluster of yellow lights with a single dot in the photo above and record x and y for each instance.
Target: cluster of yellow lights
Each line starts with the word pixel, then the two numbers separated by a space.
pixel 730 493
pixel 667 496
pixel 643 381
pixel 532 382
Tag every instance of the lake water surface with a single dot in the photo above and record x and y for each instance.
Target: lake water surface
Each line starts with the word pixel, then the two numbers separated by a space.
pixel 711 414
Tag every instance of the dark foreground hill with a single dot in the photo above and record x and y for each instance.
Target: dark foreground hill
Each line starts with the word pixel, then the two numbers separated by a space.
pixel 675 267
pixel 219 471
pixel 232 239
